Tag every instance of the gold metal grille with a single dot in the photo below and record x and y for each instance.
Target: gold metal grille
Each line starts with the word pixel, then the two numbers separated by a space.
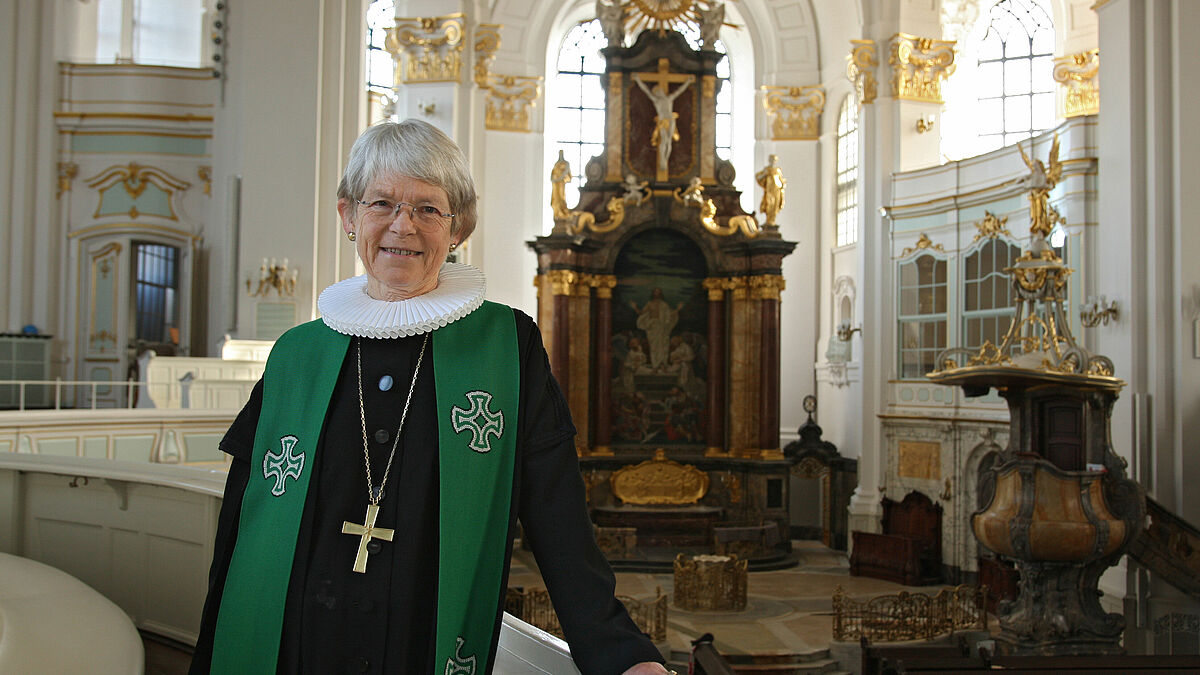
pixel 909 616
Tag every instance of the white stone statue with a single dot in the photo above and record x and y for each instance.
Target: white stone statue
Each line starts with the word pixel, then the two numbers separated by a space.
pixel 710 25
pixel 612 22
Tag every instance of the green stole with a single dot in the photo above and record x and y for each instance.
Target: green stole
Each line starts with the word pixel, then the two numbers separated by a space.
pixel 476 371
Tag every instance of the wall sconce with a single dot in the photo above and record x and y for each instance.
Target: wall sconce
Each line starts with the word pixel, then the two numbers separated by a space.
pixel 924 123
pixel 427 108
pixel 1094 313
pixel 845 332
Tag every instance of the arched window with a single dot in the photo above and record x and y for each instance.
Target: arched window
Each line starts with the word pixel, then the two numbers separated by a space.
pixel 922 314
pixel 847 172
pixel 988 302
pixel 575 111
pixel 381 70
pixel 576 102
pixel 1016 62
pixel 1003 89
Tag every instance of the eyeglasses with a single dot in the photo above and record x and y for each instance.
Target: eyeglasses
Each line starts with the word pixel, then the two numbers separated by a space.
pixel 425 215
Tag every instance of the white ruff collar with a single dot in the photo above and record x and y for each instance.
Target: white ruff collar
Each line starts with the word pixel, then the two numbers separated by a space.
pixel 346 307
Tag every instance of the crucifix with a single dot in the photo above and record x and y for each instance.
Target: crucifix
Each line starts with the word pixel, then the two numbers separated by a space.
pixel 367 531
pixel 665 130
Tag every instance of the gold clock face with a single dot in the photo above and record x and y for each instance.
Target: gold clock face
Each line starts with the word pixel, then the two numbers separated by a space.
pixel 810 404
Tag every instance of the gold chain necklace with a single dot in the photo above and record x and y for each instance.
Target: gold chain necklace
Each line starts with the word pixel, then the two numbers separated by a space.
pixel 367 530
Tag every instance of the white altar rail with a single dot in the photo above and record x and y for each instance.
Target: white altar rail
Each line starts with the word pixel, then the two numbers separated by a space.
pixel 140 531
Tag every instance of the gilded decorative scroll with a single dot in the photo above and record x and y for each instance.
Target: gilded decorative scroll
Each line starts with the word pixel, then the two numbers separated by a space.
pixel 510 100
pixel 860 69
pixel 1078 75
pixel 918 67
pixel 920 459
pixel 487 41
pixel 991 227
pixel 794 112
pixel 659 481
pixel 427 49
pixel 146 187
pixel 66 175
pixel 923 243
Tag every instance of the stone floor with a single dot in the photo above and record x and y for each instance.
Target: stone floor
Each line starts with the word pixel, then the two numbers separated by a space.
pixel 788 613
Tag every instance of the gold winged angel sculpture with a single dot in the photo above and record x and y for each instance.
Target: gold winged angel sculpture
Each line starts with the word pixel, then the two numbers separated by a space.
pixel 1041 180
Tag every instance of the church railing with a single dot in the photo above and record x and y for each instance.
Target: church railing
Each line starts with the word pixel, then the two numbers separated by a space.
pixel 132 435
pixel 534 607
pixel 53 394
pixel 909 616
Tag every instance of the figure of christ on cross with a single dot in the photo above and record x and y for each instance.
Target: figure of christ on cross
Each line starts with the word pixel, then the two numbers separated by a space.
pixel 367 531
pixel 665 132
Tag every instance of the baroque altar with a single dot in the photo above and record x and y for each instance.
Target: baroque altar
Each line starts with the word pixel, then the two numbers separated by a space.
pixel 658 299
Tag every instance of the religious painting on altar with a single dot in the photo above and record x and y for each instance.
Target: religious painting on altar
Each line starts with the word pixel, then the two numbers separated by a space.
pixel 659 341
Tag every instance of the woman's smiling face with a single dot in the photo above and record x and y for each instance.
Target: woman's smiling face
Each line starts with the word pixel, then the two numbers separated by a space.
pixel 401 255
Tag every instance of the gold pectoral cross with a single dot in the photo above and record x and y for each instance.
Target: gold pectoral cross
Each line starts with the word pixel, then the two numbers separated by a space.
pixel 367 531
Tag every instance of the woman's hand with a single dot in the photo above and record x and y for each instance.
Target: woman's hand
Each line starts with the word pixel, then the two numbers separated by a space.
pixel 649 668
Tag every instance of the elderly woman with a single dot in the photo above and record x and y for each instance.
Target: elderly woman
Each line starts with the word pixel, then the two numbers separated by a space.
pixel 382 462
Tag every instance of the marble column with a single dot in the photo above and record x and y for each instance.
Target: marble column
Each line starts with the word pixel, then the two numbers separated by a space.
pixel 716 366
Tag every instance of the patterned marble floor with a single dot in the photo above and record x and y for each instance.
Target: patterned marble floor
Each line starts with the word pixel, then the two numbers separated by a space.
pixel 789 612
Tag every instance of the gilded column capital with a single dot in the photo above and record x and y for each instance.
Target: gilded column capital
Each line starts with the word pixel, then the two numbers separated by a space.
pixel 487 41
pixel 918 67
pixel 604 284
pixel 794 112
pixel 584 283
pixel 716 286
pixel 510 99
pixel 561 281
pixel 537 284
pixel 860 69
pixel 766 286
pixel 739 287
pixel 1078 76
pixel 427 49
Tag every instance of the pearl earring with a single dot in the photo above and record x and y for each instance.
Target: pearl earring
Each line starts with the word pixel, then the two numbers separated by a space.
pixel 350 236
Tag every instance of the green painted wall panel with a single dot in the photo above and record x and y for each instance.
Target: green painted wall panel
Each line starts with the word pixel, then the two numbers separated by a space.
pixel 137 143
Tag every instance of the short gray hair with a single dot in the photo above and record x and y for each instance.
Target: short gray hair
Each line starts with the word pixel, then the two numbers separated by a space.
pixel 418 150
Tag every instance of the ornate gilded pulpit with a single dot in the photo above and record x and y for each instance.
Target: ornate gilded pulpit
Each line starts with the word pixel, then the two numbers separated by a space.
pixel 1058 503
pixel 658 295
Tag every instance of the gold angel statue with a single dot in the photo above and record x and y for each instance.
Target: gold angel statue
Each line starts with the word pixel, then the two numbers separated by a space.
pixel 1041 180
pixel 773 184
pixel 560 175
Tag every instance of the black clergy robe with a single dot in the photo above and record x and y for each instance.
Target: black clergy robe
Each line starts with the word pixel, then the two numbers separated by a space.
pixel 384 620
